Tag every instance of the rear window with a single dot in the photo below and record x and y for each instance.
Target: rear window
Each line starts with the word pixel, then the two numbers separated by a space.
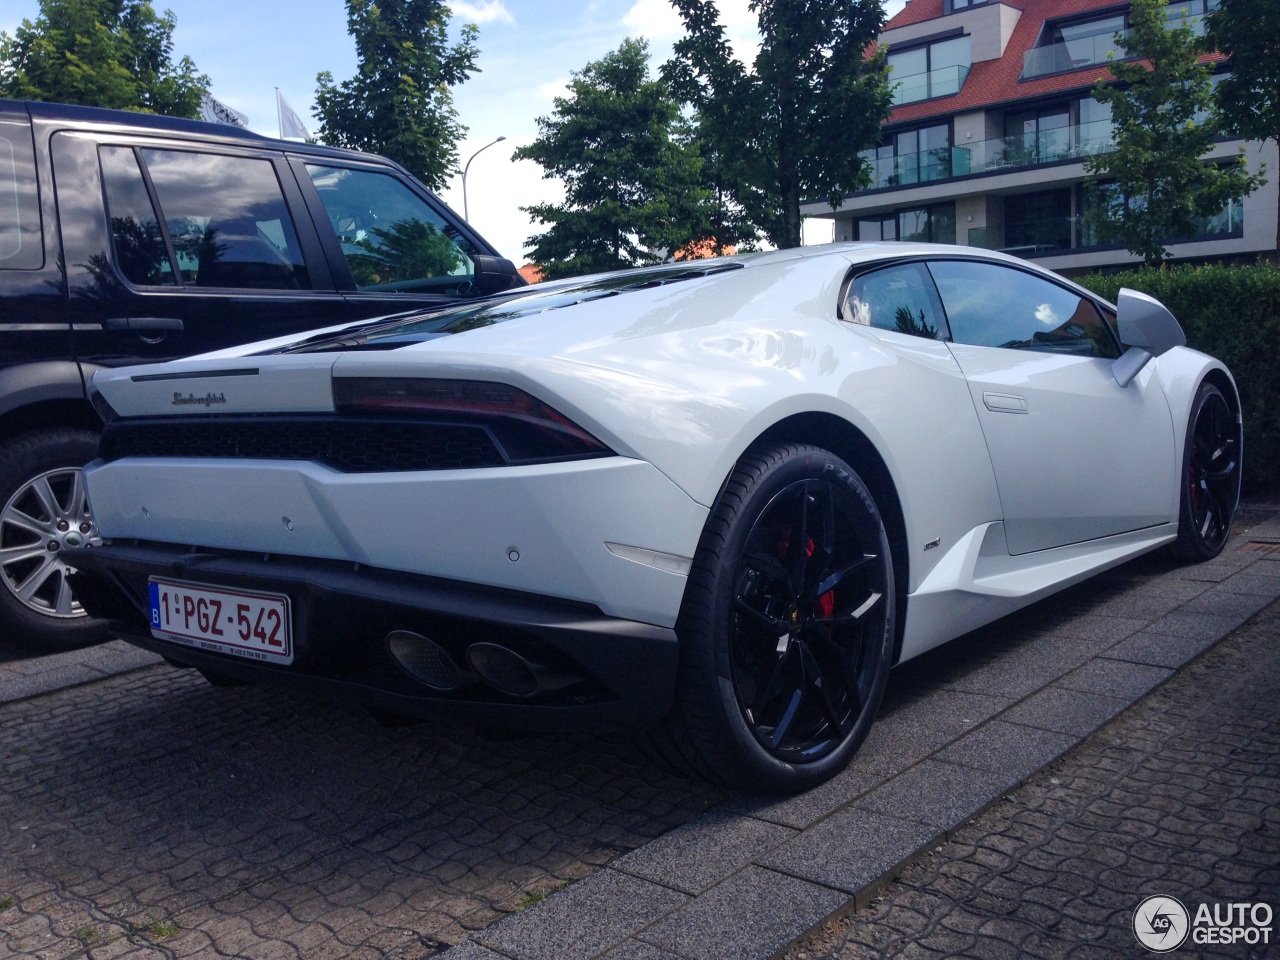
pixel 20 247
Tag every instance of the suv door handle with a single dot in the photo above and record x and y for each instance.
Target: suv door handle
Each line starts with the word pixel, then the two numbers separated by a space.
pixel 143 324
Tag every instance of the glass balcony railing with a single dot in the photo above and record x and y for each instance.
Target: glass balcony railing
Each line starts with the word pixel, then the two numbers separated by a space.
pixel 1051 235
pixel 925 86
pixel 1088 51
pixel 1003 153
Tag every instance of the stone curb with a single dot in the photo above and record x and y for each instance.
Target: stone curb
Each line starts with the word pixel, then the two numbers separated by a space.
pixel 22 679
pixel 752 876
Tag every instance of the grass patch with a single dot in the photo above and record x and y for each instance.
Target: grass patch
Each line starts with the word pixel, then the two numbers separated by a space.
pixel 158 929
pixel 88 933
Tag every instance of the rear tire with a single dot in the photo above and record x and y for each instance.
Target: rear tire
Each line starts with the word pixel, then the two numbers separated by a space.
pixel 787 626
pixel 1210 487
pixel 43 509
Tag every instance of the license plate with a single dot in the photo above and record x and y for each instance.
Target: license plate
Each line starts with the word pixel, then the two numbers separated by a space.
pixel 236 622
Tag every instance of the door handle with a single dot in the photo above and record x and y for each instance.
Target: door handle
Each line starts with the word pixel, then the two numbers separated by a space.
pixel 143 324
pixel 1005 402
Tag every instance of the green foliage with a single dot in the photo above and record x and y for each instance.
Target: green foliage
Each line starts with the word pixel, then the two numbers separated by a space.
pixel 791 126
pixel 407 250
pixel 1248 31
pixel 400 102
pixel 1232 313
pixel 100 53
pixel 631 177
pixel 1165 122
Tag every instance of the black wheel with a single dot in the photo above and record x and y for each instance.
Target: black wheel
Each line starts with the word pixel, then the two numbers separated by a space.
pixel 787 626
pixel 1210 477
pixel 42 510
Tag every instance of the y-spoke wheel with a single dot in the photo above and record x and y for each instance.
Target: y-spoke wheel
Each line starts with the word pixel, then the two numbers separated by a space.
pixel 787 627
pixel 1210 477
pixel 43 510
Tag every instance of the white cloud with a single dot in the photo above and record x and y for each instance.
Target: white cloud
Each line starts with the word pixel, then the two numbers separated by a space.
pixel 655 20
pixel 486 11
pixel 559 87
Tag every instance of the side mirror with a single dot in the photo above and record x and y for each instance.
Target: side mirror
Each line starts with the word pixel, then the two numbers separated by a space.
pixel 495 274
pixel 1147 328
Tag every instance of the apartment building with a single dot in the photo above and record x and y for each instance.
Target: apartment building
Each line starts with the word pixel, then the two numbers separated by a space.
pixel 992 122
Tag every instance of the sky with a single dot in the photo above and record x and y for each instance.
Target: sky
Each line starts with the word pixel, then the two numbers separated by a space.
pixel 528 49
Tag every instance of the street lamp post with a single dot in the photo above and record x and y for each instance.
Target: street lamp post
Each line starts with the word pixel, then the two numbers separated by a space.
pixel 465 215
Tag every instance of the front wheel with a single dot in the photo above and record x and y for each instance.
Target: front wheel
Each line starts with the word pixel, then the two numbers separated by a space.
pixel 787 626
pixel 42 510
pixel 1210 477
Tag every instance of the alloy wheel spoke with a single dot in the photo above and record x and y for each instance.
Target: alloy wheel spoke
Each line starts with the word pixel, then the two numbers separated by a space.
pixel 12 555
pixel 29 587
pixel 77 500
pixel 793 705
pixel 855 615
pixel 44 493
pixel 816 684
pixel 62 605
pixel 773 627
pixel 25 522
pixel 841 573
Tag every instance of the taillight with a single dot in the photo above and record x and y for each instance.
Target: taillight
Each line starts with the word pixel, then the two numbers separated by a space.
pixel 523 426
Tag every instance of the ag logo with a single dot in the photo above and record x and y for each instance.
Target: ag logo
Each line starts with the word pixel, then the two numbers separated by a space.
pixel 1161 924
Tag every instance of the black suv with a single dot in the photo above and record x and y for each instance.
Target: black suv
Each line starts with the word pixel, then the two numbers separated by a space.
pixel 128 238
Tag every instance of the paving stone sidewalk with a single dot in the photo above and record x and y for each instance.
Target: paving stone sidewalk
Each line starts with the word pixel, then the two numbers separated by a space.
pixel 963 727
pixel 146 814
pixel 1179 796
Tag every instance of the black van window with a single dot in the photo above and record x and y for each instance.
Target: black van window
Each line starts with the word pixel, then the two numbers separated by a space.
pixel 228 220
pixel 393 240
pixel 20 247
pixel 136 240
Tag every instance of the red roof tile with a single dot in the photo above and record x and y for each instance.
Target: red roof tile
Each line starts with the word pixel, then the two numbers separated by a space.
pixel 997 81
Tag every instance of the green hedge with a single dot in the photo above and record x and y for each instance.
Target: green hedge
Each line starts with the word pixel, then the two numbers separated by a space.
pixel 1232 313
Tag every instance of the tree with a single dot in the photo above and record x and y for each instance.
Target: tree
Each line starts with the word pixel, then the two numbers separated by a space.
pixel 100 53
pixel 631 176
pixel 1248 31
pixel 400 102
pixel 1163 111
pixel 793 125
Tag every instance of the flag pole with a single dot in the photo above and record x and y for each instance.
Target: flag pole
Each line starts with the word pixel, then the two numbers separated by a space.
pixel 279 115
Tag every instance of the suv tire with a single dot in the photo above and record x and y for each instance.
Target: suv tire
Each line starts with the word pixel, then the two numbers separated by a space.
pixel 42 509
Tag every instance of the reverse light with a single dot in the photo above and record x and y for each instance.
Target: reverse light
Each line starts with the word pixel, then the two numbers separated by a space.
pixel 526 429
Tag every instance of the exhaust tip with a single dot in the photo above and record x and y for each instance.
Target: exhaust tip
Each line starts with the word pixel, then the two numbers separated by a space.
pixel 504 670
pixel 424 659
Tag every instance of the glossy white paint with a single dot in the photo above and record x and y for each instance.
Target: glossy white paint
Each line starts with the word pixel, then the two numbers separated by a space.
pixel 679 380
pixel 457 524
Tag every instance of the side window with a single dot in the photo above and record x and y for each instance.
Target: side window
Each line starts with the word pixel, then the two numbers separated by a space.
pixel 897 298
pixel 136 240
pixel 20 247
pixel 394 242
pixel 227 220
pixel 989 305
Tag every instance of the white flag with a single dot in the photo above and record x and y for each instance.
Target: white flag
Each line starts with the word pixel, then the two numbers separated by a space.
pixel 291 127
pixel 215 111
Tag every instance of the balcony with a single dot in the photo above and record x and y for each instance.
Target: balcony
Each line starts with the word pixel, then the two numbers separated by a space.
pixel 985 156
pixel 925 86
pixel 1088 51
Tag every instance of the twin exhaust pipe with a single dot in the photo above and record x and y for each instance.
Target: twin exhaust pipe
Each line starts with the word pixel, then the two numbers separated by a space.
pixel 499 667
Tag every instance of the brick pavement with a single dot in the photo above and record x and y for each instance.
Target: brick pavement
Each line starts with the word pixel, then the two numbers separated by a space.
pixel 1179 796
pixel 150 815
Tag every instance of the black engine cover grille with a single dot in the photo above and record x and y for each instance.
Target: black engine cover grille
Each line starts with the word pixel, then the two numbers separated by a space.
pixel 351 445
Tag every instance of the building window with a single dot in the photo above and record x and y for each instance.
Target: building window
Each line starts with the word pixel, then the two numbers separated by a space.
pixel 878 228
pixel 935 223
pixel 958 5
pixel 1063 131
pixel 1035 223
pixel 1090 41
pixel 911 156
pixel 936 69
pixel 1229 222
